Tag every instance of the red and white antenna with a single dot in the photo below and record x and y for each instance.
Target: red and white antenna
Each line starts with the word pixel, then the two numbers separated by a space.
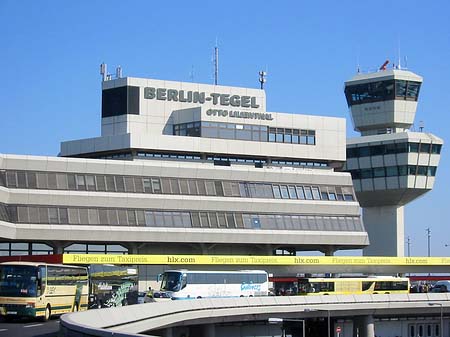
pixel 383 67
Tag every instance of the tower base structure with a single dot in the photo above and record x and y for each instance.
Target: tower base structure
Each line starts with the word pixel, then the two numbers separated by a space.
pixel 386 228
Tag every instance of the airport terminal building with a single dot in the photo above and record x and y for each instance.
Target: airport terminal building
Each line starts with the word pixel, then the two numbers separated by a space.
pixel 185 168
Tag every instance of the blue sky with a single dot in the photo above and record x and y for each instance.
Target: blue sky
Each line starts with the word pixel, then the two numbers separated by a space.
pixel 51 52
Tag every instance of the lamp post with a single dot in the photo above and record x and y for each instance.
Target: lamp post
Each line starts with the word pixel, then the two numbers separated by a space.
pixel 276 320
pixel 428 230
pixel 442 317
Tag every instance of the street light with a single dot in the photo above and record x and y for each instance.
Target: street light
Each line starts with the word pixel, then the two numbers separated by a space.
pixel 276 320
pixel 428 230
pixel 442 317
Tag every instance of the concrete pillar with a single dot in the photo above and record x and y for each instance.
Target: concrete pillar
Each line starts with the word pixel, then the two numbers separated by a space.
pixel 329 251
pixel 386 228
pixel 356 327
pixel 368 326
pixel 168 332
pixel 58 248
pixel 209 330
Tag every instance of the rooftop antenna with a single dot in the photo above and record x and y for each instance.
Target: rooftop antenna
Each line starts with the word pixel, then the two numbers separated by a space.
pixel 191 74
pixel 119 72
pixel 406 62
pixel 358 68
pixel 421 126
pixel 216 63
pixel 399 66
pixel 103 71
pixel 383 67
pixel 262 78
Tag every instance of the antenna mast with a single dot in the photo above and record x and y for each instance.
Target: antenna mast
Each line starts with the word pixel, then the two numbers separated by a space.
pixel 262 78
pixel 216 64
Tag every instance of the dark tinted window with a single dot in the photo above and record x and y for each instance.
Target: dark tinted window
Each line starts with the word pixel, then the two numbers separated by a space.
pixel 120 101
pixel 369 92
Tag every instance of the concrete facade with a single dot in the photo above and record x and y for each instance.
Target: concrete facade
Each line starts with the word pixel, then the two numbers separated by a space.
pixel 185 168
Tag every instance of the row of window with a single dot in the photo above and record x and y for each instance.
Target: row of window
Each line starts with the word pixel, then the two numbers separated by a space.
pixel 175 219
pixel 393 171
pixel 28 248
pixel 258 162
pixel 245 132
pixel 382 91
pixel 292 136
pixel 225 278
pixel 155 185
pixel 393 148
pixel 24 248
pixel 312 192
pixel 276 221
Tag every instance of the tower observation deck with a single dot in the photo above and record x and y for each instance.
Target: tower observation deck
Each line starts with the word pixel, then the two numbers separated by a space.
pixel 390 164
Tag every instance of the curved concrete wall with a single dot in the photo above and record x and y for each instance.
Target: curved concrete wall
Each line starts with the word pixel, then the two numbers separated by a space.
pixel 136 319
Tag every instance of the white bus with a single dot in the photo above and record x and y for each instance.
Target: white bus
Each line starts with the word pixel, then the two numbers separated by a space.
pixel 186 284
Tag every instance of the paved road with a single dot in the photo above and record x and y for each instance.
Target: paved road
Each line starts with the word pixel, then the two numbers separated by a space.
pixel 29 328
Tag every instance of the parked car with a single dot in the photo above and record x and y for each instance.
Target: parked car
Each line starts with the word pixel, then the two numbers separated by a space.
pixel 442 286
pixel 161 296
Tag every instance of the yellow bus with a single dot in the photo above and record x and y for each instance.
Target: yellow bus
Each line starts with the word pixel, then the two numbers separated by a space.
pixel 34 289
pixel 353 285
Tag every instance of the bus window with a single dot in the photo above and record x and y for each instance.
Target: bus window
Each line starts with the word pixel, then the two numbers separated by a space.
pixel 367 285
pixel 18 281
pixel 42 280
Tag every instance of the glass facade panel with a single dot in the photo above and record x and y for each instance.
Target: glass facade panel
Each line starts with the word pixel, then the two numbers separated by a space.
pixel 41 180
pixel 149 219
pixel 90 183
pixel 315 193
pixel 184 189
pixel 276 191
pixel 292 192
pixel 222 219
pixel 300 192
pixel 210 187
pixel 110 184
pixel 308 193
pixel 192 187
pixel 284 192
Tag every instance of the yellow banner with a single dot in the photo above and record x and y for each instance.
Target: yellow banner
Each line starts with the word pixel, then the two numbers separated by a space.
pixel 253 260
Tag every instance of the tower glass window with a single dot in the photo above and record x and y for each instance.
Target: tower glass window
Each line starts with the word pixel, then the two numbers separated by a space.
pixel 382 91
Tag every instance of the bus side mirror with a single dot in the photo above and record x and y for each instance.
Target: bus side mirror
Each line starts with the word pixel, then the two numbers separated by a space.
pixel 159 277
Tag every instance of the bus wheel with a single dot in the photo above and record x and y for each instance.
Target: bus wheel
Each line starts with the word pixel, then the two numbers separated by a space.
pixel 47 313
pixel 199 297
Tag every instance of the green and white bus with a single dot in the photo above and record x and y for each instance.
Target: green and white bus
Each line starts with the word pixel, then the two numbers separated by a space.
pixel 34 289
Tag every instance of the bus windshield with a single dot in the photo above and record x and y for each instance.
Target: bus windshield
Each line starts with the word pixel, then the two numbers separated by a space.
pixel 18 281
pixel 171 281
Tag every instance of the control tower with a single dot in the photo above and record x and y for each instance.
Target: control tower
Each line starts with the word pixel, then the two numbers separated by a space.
pixel 390 164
